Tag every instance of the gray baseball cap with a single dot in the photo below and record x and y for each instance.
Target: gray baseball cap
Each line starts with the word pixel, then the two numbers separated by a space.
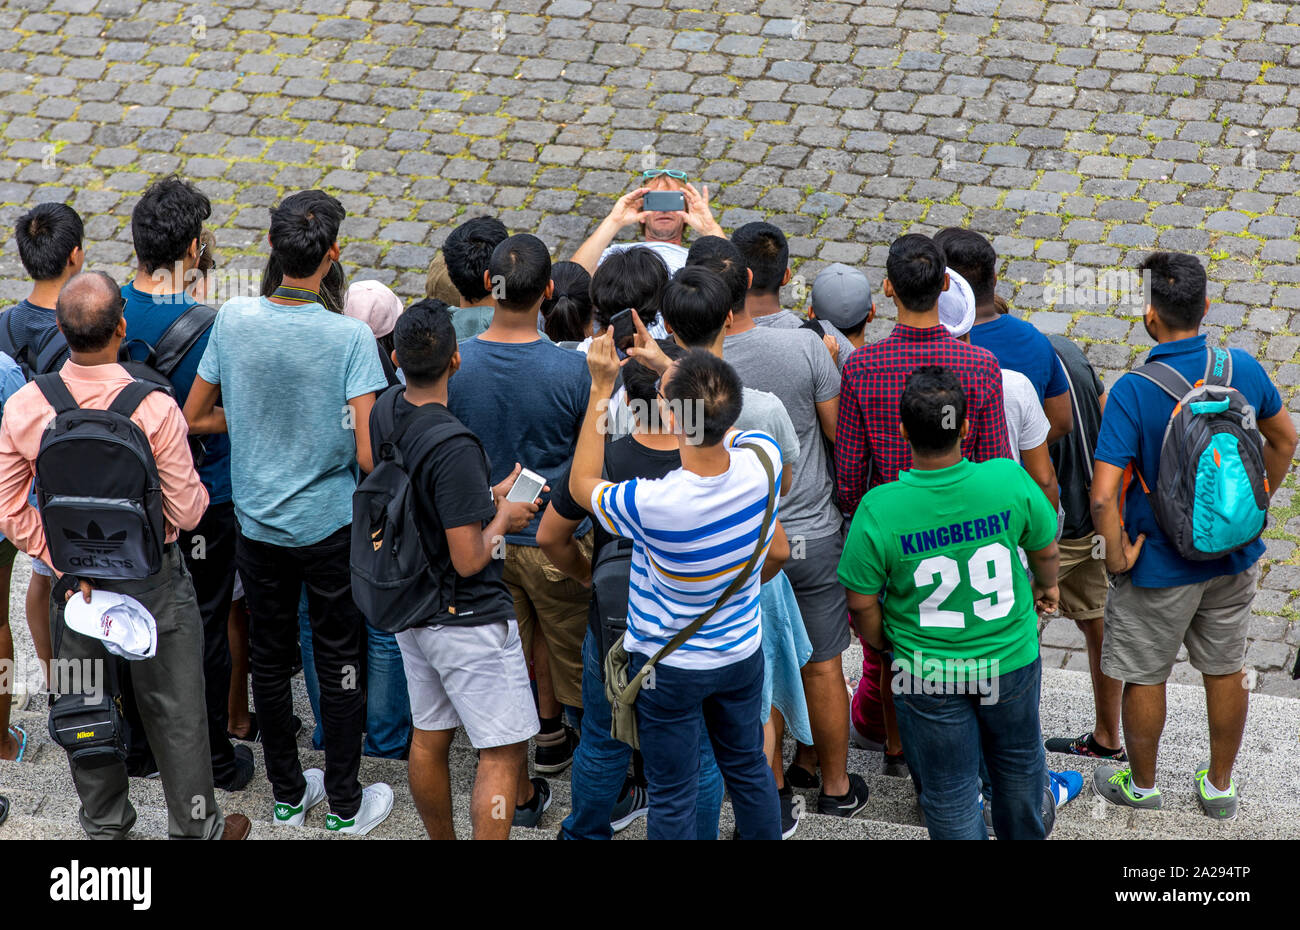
pixel 841 296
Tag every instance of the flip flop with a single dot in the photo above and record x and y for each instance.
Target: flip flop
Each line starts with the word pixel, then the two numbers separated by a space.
pixel 20 735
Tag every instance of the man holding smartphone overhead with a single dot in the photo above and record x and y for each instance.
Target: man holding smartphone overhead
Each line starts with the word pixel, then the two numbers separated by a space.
pixel 663 219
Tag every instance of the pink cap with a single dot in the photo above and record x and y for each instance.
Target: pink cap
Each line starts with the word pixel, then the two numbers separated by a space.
pixel 373 304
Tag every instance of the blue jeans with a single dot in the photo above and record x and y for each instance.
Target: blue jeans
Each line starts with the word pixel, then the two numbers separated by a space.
pixel 729 701
pixel 944 738
pixel 388 706
pixel 600 765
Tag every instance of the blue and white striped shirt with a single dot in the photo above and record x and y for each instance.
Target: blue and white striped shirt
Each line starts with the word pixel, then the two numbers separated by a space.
pixel 691 536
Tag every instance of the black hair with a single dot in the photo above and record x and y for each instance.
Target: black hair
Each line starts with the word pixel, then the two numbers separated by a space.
pixel 971 256
pixel 47 234
pixel 468 252
pixel 520 269
pixel 566 314
pixel 425 341
pixel 166 220
pixel 916 267
pixel 88 310
pixel 303 227
pixel 631 278
pixel 334 288
pixel 641 382
pixel 695 304
pixel 933 408
pixel 722 257
pixel 766 253
pixel 700 377
pixel 1178 285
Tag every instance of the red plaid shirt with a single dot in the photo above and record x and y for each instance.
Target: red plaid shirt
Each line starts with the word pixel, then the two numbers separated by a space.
pixel 868 448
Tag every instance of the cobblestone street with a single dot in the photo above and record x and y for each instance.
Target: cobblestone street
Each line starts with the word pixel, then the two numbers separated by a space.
pixel 1077 136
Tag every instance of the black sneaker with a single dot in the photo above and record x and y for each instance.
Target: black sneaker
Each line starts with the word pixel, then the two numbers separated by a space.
pixel 848 805
pixel 789 817
pixel 554 751
pixel 243 773
pixel 796 776
pixel 530 814
pixel 896 766
pixel 1085 745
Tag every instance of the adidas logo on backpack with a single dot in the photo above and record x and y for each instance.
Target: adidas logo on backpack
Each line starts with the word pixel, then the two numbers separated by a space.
pixel 1211 496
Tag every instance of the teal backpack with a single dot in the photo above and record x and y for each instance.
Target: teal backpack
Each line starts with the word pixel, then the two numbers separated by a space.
pixel 1211 497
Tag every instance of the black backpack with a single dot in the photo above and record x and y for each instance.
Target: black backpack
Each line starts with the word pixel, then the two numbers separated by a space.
pixel 104 521
pixel 611 579
pixel 395 583
pixel 164 357
pixel 44 356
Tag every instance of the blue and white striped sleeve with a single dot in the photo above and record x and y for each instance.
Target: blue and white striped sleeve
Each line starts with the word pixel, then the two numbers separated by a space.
pixel 614 508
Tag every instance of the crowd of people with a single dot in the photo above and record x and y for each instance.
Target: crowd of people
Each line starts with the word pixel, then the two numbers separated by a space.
pixel 628 508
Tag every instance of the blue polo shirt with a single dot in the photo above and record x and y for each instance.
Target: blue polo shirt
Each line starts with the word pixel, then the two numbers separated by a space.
pixel 1021 347
pixel 1132 430
pixel 147 318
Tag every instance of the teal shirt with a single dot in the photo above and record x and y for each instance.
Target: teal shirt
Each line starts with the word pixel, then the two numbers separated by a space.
pixel 470 321
pixel 286 376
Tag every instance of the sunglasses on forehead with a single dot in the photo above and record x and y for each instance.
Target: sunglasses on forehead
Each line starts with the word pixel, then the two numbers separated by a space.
pixel 671 172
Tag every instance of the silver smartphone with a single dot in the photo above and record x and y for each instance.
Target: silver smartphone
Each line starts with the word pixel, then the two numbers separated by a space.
pixel 527 487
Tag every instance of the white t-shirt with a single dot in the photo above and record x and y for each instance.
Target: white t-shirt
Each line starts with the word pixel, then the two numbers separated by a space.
pixel 672 254
pixel 1027 425
pixel 691 535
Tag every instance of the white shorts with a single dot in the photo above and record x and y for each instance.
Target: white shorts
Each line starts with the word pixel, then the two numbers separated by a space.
pixel 470 676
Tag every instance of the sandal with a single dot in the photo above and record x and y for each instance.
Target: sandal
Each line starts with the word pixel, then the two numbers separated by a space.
pixel 20 737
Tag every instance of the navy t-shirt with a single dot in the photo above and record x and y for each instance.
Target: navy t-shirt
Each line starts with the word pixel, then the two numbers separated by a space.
pixel 1132 430
pixel 1021 347
pixel 525 402
pixel 147 317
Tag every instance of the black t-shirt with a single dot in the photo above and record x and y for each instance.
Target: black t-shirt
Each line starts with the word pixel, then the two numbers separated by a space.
pixel 625 458
pixel 452 489
pixel 1073 455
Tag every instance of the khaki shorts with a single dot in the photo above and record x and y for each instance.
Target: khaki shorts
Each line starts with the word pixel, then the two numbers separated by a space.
pixel 1145 627
pixel 1082 580
pixel 546 600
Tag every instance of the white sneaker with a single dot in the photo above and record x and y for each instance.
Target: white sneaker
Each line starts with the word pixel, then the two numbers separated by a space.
pixel 290 815
pixel 376 804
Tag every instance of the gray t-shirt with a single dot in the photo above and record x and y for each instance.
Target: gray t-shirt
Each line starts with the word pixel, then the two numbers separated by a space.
pixel 784 319
pixel 796 367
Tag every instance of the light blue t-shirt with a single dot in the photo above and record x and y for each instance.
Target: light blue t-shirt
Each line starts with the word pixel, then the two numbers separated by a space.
pixel 286 375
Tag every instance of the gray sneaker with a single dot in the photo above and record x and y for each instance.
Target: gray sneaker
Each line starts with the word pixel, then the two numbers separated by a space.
pixel 1224 808
pixel 1115 785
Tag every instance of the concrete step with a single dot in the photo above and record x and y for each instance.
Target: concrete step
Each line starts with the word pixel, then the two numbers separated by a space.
pixel 45 802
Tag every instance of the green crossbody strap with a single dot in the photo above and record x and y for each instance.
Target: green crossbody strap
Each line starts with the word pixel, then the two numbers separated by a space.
pixel 634 686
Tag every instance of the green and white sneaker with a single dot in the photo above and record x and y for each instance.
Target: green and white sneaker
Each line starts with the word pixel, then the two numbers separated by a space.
pixel 376 803
pixel 1116 786
pixel 292 815
pixel 1224 808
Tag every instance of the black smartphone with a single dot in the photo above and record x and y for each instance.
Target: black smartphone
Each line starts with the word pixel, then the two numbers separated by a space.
pixel 624 330
pixel 663 201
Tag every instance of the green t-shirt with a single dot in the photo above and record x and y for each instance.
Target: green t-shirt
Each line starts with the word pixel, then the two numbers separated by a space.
pixel 470 321
pixel 942 546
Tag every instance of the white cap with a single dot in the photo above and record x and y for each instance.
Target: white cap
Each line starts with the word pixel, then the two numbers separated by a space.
pixel 121 622
pixel 957 306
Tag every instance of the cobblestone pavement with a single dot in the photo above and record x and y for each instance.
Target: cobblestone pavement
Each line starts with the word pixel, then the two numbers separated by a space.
pixel 1076 135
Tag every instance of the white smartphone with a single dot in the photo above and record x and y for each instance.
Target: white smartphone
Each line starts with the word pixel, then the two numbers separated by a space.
pixel 527 487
